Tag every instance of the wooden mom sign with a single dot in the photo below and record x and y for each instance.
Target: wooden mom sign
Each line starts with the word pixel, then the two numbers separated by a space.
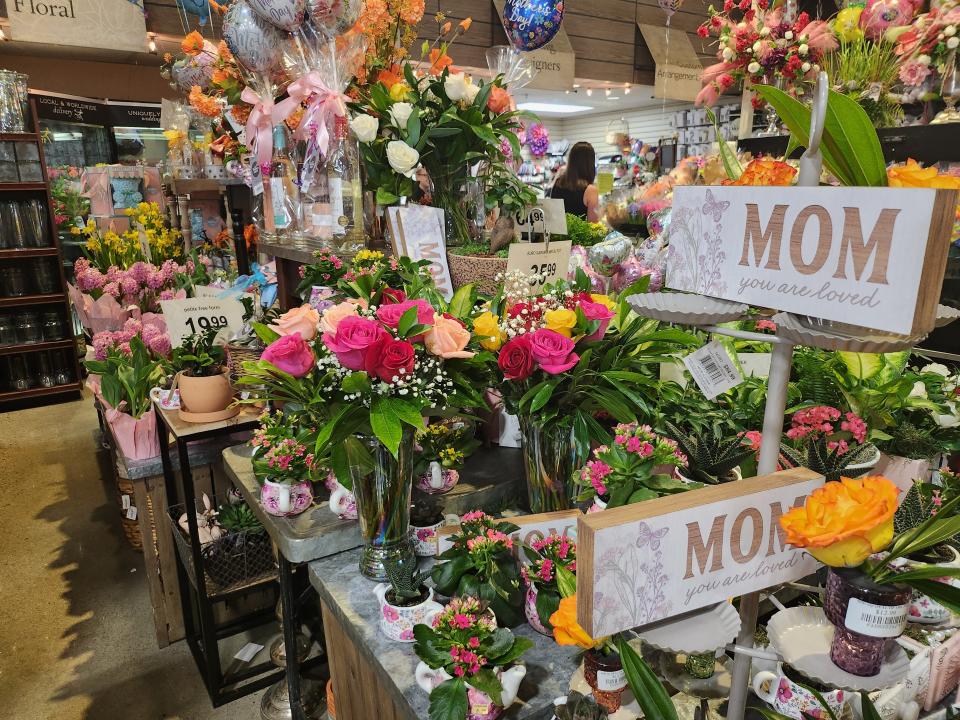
pixel 871 257
pixel 641 563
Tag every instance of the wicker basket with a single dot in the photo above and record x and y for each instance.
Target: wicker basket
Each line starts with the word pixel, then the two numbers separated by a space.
pixel 131 528
pixel 239 354
pixel 476 269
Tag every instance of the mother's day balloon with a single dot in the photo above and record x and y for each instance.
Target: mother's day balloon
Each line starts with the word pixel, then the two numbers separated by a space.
pixel 285 14
pixel 606 256
pixel 198 70
pixel 334 16
pixel 254 42
pixel 531 24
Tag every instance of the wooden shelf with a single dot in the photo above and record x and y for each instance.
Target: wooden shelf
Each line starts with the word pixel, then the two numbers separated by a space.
pixel 32 300
pixel 36 347
pixel 17 253
pixel 19 137
pixel 22 186
pixel 39 392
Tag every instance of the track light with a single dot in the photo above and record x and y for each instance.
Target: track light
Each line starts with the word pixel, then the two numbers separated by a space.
pixel 152 43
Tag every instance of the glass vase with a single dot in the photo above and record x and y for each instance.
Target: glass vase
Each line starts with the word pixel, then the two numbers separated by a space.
pixel 550 462
pixel 460 196
pixel 866 616
pixel 382 489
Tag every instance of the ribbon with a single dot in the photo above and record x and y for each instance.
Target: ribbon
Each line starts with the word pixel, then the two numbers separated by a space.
pixel 260 124
pixel 325 101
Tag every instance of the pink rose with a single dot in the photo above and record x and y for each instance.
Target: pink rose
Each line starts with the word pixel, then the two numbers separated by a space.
pixel 351 340
pixel 390 314
pixel 597 311
pixel 447 339
pixel 390 358
pixel 552 351
pixel 334 315
pixel 301 320
pixel 291 354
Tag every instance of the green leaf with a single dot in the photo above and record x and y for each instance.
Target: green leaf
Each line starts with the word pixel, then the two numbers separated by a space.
pixel 500 642
pixel 946 595
pixel 730 163
pixel 385 197
pixel 849 126
pixel 646 687
pixel 407 412
pixel 548 602
pixel 446 575
pixel 486 681
pixel 867 708
pixel 462 302
pixel 566 582
pixel 640 495
pixel 356 382
pixel 407 321
pixel 386 424
pixel 266 334
pixel 449 700
pixel 426 647
pixel 542 397
pixel 519 647
pixel 413 128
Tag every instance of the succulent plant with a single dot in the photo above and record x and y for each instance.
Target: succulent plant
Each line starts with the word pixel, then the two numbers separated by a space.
pixel 406 581
pixel 829 463
pixel 238 517
pixel 710 454
pixel 580 707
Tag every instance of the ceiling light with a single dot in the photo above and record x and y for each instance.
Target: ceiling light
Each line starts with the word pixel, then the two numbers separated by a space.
pixel 557 108
pixel 589 91
pixel 576 85
pixel 613 97
pixel 608 91
pixel 626 90
pixel 566 92
pixel 152 43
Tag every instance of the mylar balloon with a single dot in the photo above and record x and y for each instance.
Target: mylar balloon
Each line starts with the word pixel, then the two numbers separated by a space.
pixel 846 25
pixel 334 16
pixel 200 8
pixel 531 24
pixel 197 70
pixel 606 256
pixel 669 7
pixel 285 14
pixel 254 42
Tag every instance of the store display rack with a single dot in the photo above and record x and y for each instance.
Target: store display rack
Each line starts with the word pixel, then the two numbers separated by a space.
pixel 58 300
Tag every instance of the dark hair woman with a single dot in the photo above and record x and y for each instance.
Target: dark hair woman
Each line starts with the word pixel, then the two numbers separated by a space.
pixel 575 184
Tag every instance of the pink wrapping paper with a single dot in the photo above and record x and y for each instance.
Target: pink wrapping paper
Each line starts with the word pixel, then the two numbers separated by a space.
pixel 135 438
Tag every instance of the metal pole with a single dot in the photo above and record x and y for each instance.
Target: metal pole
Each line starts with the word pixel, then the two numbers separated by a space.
pixel 769 454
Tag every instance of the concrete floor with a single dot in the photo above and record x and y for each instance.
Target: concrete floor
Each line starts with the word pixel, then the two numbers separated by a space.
pixel 76 634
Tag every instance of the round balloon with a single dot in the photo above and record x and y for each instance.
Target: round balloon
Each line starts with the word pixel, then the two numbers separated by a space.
pixel 334 16
pixel 880 15
pixel 605 257
pixel 255 43
pixel 197 70
pixel 531 24
pixel 285 14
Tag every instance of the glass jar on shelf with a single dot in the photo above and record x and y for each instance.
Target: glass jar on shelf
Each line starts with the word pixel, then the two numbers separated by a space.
pixel 62 368
pixel 53 328
pixel 8 330
pixel 46 376
pixel 13 281
pixel 45 278
pixel 29 329
pixel 18 377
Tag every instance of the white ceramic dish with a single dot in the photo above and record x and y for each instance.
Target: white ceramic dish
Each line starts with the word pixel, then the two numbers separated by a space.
pixel 686 308
pixel 946 315
pixel 806 332
pixel 697 632
pixel 802 637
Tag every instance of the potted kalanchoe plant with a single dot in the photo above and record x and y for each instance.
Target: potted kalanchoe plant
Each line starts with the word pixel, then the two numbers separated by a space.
pixel 548 558
pixel 829 442
pixel 284 462
pixel 712 456
pixel 631 469
pixel 480 564
pixel 842 525
pixel 405 601
pixel 202 376
pixel 442 447
pixel 467 663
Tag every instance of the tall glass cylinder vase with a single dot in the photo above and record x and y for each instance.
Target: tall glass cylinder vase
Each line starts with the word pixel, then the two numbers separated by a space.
pixel 550 461
pixel 382 490
pixel 461 198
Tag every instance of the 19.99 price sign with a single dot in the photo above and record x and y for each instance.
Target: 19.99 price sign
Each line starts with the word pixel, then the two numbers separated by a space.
pixel 196 315
pixel 543 263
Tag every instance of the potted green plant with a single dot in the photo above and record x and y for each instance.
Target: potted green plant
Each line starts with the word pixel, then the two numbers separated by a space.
pixel 829 442
pixel 467 663
pixel 480 564
pixel 579 707
pixel 712 456
pixel 405 601
pixel 202 375
pixel 547 557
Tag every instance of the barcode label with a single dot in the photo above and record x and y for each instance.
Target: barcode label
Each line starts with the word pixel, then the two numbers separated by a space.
pixel 611 681
pixel 880 621
pixel 712 369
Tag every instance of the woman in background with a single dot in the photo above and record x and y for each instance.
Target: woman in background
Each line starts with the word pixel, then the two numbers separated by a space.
pixel 574 185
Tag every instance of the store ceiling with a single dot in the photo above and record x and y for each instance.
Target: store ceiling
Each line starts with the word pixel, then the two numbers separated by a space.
pixel 550 103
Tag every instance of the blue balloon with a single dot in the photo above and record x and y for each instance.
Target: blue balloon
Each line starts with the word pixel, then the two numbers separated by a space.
pixel 531 24
pixel 200 8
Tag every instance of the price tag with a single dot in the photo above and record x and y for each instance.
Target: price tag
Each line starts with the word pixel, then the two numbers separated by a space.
pixel 248 652
pixel 543 262
pixel 712 369
pixel 548 214
pixel 194 315
pixel 125 502
pixel 206 291
pixel 132 512
pixel 604 182
pixel 256 176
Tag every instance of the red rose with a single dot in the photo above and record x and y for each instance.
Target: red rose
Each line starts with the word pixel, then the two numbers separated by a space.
pixel 351 340
pixel 390 314
pixel 390 359
pixel 516 359
pixel 389 296
pixel 552 351
pixel 291 354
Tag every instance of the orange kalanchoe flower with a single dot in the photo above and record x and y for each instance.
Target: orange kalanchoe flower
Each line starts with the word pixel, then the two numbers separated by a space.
pixel 192 44
pixel 446 27
pixel 913 175
pixel 439 60
pixel 204 104
pixel 764 171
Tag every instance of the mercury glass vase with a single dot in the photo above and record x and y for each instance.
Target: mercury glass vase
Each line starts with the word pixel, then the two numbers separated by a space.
pixel 550 463
pixel 382 489
pixel 866 616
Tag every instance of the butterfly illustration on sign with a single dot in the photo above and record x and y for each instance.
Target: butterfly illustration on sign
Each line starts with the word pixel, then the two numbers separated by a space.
pixel 651 537
pixel 714 207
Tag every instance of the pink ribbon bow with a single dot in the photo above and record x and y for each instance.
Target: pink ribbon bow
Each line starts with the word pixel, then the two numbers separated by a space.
pixel 325 101
pixel 260 124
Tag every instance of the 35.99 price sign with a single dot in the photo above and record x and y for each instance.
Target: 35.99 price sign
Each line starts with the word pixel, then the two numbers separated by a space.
pixel 543 263
pixel 196 315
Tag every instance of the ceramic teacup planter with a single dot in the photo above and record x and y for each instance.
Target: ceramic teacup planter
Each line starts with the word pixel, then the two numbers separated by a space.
pixel 530 610
pixel 437 479
pixel 342 501
pixel 792 699
pixel 480 706
pixel 426 539
pixel 397 621
pixel 283 499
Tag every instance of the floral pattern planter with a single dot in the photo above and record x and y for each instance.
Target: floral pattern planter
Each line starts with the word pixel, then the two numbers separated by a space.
pixel 530 610
pixel 480 706
pixel 283 499
pixel 397 621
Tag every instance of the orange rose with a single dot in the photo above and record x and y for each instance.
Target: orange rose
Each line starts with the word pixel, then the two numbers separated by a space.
pixel 912 175
pixel 333 315
pixel 301 320
pixel 766 172
pixel 192 44
pixel 566 630
pixel 843 523
pixel 390 77
pixel 466 23
pixel 499 100
pixel 447 338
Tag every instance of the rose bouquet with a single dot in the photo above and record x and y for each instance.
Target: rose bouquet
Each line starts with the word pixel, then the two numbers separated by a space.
pixel 926 47
pixel 626 471
pixel 472 656
pixel 480 564
pixel 829 442
pixel 549 558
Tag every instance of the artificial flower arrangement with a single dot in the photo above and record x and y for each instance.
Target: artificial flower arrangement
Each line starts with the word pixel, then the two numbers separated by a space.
pixel 474 659
pixel 389 29
pixel 548 557
pixel 636 466
pixel 107 249
pixel 830 442
pixel 480 563
pixel 844 525
pixel 925 47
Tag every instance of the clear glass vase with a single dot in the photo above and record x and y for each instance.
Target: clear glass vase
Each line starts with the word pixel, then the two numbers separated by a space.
pixel 382 489
pixel 550 462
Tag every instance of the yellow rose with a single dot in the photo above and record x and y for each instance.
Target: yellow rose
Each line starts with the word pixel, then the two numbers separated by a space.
pixel 843 523
pixel 561 321
pixel 604 300
pixel 487 327
pixel 447 339
pixel 399 92
pixel 912 175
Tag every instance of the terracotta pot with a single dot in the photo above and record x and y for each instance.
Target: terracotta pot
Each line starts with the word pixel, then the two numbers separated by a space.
pixel 205 394
pixel 481 271
pixel 604 674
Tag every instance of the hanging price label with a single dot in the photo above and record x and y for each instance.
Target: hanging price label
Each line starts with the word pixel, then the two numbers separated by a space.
pixel 712 370
pixel 543 262
pixel 257 177
pixel 195 315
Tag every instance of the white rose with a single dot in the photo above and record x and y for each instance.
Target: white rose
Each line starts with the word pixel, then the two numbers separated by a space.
pixel 803 49
pixel 365 127
pixel 728 54
pixel 805 67
pixel 936 369
pixel 757 46
pixel 400 112
pixel 788 34
pixel 456 86
pixel 472 92
pixel 924 59
pixel 919 390
pixel 953 42
pixel 402 158
pixel 948 421
pixel 950 30
pixel 753 68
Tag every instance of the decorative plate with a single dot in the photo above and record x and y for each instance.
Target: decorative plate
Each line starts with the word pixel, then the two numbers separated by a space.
pixel 686 308
pixel 839 336
pixel 802 636
pixel 946 315
pixel 697 632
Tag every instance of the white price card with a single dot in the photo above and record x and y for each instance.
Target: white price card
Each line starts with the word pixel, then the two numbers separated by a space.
pixel 712 370
pixel 548 215
pixel 543 262
pixel 256 175
pixel 248 652
pixel 132 512
pixel 195 315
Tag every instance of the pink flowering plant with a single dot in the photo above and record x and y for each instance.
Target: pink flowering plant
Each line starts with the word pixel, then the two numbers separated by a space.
pixel 827 441
pixel 283 448
pixel 481 564
pixel 549 558
pixel 142 284
pixel 126 377
pixel 631 468
pixel 150 328
pixel 466 643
